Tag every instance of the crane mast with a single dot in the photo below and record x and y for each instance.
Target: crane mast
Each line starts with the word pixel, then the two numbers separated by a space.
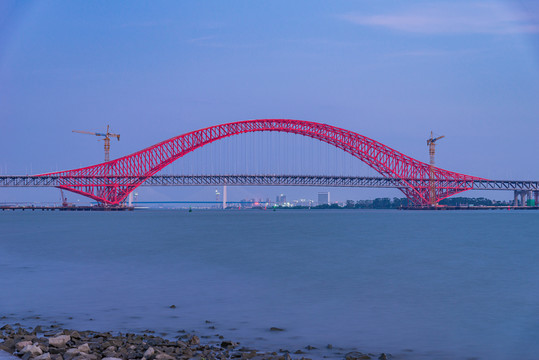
pixel 431 143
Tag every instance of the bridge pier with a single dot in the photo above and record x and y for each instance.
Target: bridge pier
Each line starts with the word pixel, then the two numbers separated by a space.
pixel 531 199
pixel 526 197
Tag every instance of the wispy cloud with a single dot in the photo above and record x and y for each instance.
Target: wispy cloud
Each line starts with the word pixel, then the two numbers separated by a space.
pixel 202 39
pixel 213 41
pixel 453 18
pixel 144 24
pixel 426 53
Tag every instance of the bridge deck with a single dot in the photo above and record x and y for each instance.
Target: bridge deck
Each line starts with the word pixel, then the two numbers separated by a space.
pixel 260 180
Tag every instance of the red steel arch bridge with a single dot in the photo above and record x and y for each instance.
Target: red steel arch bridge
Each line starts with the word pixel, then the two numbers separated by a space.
pixel 111 182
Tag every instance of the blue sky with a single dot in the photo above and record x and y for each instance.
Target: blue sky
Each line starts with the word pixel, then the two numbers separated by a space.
pixel 390 70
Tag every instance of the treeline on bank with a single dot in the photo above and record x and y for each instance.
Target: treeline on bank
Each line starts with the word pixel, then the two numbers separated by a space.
pixel 399 203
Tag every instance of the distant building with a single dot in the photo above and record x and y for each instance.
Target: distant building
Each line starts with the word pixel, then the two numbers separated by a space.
pixel 280 199
pixel 323 198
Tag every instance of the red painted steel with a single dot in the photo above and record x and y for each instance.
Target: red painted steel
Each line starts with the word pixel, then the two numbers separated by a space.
pixel 109 183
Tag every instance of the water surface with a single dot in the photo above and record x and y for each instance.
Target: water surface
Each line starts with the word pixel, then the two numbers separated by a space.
pixel 420 285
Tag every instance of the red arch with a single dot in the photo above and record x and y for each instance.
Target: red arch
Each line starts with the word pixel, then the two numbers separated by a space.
pixel 111 182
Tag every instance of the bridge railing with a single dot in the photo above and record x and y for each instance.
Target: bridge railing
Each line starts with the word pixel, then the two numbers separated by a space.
pixel 255 180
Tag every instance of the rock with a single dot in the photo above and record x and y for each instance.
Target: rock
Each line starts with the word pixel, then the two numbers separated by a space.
pixel 356 355
pixel 37 329
pixel 31 349
pixel 85 348
pixel 108 353
pixel 111 358
pixel 194 340
pixel 309 347
pixel 6 327
pixel 84 356
pixel 148 354
pixel 287 356
pixel 383 356
pixel 228 344
pixel 188 352
pixel 117 342
pixel 298 352
pixel 59 341
pixel 75 335
pixel 276 329
pixel 45 356
pixel 55 351
pixel 10 344
pixel 21 344
pixel 71 353
pixel 163 356
pixel 172 306
pixel 329 346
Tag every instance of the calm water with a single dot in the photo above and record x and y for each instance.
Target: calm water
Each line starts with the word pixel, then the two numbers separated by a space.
pixel 420 285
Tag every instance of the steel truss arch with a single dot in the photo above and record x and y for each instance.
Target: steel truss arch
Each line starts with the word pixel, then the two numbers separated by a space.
pixel 129 172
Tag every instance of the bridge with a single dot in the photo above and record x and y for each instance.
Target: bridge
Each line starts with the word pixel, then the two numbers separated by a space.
pixel 111 182
pixel 524 189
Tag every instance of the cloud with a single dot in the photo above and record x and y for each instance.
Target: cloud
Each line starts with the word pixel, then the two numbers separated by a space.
pixel 453 18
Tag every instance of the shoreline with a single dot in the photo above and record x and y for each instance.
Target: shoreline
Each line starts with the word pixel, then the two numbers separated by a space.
pixel 54 342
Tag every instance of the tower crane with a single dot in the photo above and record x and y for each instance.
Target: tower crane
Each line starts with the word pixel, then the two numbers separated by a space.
pixel 106 139
pixel 431 143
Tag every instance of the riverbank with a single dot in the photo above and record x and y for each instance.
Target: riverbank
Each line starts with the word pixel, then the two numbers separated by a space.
pixel 54 343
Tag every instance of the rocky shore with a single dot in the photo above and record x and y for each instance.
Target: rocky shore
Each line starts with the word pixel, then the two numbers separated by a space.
pixel 54 343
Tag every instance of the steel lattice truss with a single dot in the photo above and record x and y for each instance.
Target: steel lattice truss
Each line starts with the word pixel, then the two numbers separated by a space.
pixel 112 181
pixel 262 180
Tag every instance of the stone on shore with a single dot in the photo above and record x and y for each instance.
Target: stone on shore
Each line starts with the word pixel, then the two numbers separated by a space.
pixel 21 344
pixel 195 340
pixel 356 355
pixel 64 344
pixel 32 349
pixel 148 354
pixel 71 354
pixel 46 356
pixel 59 341
pixel 84 348
pixel 163 356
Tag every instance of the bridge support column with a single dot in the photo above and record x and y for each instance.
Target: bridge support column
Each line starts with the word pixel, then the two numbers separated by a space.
pixel 522 198
pixel 536 197
pixel 224 197
pixel 515 201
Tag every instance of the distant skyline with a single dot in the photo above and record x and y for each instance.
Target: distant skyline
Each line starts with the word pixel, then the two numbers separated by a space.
pixel 390 70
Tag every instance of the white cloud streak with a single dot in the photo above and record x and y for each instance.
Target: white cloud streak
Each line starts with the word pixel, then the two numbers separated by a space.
pixel 453 18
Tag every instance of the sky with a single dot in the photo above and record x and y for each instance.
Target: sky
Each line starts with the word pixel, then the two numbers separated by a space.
pixel 389 70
